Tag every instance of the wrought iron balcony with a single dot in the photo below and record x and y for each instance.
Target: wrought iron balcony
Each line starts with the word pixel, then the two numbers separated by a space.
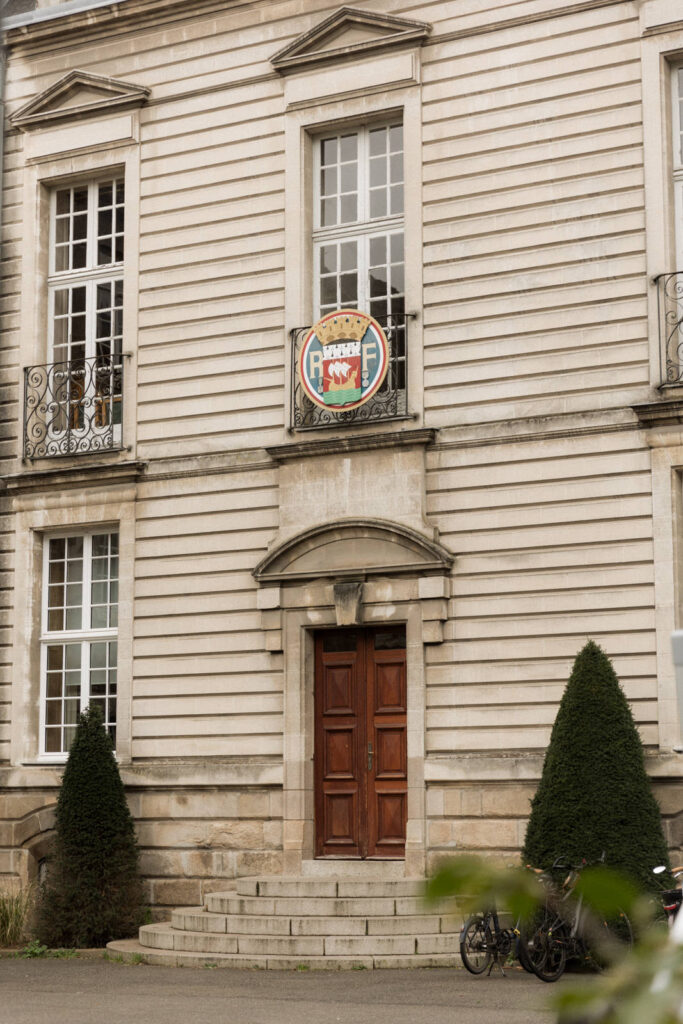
pixel 389 402
pixel 73 408
pixel 670 310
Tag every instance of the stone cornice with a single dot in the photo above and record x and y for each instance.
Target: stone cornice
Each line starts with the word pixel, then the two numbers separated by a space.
pixel 101 21
pixel 96 474
pixel 667 413
pixel 356 443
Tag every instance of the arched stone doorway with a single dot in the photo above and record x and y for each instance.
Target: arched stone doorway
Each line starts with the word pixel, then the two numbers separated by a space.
pixel 360 574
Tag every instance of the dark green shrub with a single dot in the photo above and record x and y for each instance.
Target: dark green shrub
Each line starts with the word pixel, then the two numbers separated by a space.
pixel 594 793
pixel 93 891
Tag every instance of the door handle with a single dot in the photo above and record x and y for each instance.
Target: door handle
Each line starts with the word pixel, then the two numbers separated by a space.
pixel 369 757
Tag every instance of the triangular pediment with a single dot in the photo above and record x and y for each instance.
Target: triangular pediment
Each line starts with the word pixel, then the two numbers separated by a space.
pixel 348 33
pixel 76 95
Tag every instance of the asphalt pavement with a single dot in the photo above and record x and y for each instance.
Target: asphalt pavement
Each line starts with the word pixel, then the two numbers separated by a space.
pixel 45 991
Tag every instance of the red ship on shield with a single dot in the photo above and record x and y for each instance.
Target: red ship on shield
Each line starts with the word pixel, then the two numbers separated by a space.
pixel 341 337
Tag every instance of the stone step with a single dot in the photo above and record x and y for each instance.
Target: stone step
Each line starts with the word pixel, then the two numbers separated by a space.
pixel 131 951
pixel 200 920
pixel 336 868
pixel 166 937
pixel 330 887
pixel 318 906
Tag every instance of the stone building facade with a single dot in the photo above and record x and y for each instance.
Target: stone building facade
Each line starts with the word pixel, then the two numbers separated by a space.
pixel 319 633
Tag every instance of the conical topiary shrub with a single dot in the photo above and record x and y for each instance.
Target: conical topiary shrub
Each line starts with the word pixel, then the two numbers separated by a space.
pixel 93 891
pixel 594 793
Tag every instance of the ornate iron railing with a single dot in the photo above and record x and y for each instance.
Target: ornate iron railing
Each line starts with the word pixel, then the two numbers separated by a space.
pixel 389 402
pixel 670 309
pixel 73 408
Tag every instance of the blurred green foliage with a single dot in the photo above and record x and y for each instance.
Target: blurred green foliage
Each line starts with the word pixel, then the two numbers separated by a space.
pixel 645 987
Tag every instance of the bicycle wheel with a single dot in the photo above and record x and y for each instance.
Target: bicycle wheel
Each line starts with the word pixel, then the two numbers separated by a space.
pixel 551 955
pixel 530 946
pixel 475 943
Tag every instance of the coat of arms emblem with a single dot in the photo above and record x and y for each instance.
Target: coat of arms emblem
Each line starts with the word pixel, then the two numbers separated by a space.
pixel 344 360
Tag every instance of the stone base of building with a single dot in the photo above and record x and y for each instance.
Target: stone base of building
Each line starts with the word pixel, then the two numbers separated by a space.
pixel 195 839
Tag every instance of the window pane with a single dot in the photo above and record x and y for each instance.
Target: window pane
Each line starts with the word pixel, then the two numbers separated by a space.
pixel 53 741
pixel 328 212
pixel 328 181
pixel 349 208
pixel 378 251
pixel 99 618
pixel 79 256
pixel 62 302
pixel 55 619
pixel 378 141
pixel 349 289
pixel 329 151
pixel 53 712
pixel 349 177
pixel 104 251
pixel 71 711
pixel 328 259
pixel 62 258
pixel 78 300
pixel 378 202
pixel 63 200
pixel 328 290
pixel 80 227
pixel 349 147
pixel 378 282
pixel 73 618
pixel 378 172
pixel 54 684
pixel 349 255
pixel 55 657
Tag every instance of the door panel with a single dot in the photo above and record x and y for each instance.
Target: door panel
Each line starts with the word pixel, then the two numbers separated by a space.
pixel 360 743
pixel 339 696
pixel 390 752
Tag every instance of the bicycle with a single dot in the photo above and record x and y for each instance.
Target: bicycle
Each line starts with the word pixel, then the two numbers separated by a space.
pixel 669 901
pixel 484 943
pixel 557 933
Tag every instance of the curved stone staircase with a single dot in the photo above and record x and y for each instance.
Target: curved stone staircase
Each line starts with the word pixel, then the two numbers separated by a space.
pixel 304 923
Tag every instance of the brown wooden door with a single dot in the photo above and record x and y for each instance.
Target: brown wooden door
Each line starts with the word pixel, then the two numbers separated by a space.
pixel 361 756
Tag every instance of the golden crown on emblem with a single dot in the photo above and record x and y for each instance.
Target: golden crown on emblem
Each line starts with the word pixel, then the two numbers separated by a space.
pixel 344 326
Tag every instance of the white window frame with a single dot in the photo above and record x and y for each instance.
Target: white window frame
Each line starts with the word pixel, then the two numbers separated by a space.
pixel 89 277
pixel 362 229
pixel 85 636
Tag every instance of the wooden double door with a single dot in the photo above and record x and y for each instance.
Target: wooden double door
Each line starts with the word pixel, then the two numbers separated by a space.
pixel 361 756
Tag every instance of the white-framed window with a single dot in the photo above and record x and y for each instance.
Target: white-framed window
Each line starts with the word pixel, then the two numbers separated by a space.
pixel 358 221
pixel 79 634
pixel 85 305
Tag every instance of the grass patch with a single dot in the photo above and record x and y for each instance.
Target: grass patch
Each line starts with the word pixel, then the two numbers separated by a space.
pixel 15 907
